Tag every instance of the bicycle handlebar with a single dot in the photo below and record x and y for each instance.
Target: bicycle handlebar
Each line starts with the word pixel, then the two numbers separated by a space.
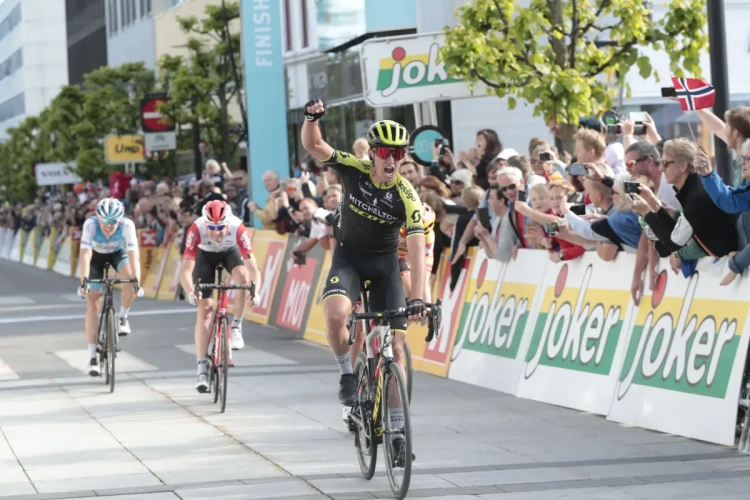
pixel 435 317
pixel 113 281
pixel 224 286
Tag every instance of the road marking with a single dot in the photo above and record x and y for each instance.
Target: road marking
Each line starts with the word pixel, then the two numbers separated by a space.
pixel 39 307
pixel 247 357
pixel 6 373
pixel 15 300
pixel 157 312
pixel 124 362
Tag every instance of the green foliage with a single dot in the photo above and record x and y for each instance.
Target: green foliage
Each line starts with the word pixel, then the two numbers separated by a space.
pixel 74 125
pixel 546 54
pixel 203 86
pixel 18 156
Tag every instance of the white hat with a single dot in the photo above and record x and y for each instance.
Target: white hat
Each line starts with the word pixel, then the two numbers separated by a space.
pixel 462 175
pixel 506 153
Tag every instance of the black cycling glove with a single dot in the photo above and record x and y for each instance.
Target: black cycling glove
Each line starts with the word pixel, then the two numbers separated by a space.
pixel 313 117
pixel 415 307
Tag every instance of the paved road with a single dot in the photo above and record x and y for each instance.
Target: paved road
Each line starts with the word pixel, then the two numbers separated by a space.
pixel 63 436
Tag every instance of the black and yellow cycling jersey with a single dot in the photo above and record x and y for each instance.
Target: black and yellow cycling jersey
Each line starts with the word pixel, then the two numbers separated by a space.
pixel 372 214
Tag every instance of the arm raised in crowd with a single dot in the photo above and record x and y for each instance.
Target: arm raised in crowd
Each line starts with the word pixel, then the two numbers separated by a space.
pixel 729 199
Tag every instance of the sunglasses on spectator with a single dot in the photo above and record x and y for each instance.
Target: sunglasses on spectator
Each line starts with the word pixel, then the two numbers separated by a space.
pixel 632 163
pixel 383 153
pixel 666 163
pixel 509 186
pixel 744 159
pixel 215 227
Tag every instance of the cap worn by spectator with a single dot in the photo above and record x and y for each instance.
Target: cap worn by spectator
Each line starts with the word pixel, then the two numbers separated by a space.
pixel 506 153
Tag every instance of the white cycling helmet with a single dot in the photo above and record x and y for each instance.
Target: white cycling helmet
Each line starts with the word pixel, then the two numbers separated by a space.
pixel 110 209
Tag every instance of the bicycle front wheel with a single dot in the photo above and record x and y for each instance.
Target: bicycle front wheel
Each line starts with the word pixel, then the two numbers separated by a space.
pixel 398 459
pixel 224 361
pixel 409 369
pixel 111 348
pixel 364 435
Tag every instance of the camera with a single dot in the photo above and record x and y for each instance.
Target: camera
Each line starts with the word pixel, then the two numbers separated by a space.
pixel 631 187
pixel 551 228
pixel 443 143
pixel 613 119
pixel 577 169
pixel 521 196
pixel 545 156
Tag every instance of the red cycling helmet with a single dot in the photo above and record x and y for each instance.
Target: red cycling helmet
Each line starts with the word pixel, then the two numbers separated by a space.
pixel 217 213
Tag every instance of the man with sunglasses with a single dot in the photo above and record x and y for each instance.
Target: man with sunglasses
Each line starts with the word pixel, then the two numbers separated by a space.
pixel 107 238
pixel 377 201
pixel 217 237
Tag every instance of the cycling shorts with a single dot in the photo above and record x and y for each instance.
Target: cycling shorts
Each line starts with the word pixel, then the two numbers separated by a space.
pixel 206 263
pixel 350 267
pixel 115 260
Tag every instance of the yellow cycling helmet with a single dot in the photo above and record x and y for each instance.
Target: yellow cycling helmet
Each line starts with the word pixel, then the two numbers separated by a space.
pixel 387 133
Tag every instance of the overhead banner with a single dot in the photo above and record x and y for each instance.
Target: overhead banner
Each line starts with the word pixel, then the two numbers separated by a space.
pixel 402 70
pixel 265 89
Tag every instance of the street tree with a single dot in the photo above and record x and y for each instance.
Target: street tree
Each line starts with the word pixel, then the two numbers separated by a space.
pixel 206 86
pixel 551 54
pixel 111 105
pixel 19 154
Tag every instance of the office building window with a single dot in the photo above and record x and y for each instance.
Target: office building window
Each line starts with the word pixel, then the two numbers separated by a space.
pixel 145 8
pixel 133 13
pixel 288 24
pixel 123 14
pixel 12 107
pixel 112 17
pixel 10 21
pixel 305 36
pixel 11 64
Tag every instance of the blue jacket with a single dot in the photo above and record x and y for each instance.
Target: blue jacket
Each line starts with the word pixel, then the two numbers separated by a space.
pixel 732 200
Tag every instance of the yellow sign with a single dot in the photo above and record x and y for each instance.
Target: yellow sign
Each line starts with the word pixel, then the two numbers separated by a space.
pixel 315 329
pixel 123 149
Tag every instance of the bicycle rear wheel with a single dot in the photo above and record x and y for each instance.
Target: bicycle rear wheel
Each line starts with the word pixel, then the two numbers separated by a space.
pixel 224 362
pixel 111 348
pixel 397 458
pixel 364 438
pixel 213 355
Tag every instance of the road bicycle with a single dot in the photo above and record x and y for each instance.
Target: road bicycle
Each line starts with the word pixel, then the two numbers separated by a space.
pixel 368 328
pixel 219 354
pixel 374 374
pixel 107 341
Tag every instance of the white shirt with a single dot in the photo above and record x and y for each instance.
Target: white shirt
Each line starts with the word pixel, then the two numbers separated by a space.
pixel 124 237
pixel 198 238
pixel 614 156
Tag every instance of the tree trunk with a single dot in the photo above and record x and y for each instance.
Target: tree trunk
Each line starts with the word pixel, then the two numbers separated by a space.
pixel 567 131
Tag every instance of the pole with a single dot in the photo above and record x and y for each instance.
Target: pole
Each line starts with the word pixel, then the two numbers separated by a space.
pixel 720 80
pixel 197 157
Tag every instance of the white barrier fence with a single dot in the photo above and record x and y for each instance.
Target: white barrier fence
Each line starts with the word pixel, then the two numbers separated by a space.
pixel 570 335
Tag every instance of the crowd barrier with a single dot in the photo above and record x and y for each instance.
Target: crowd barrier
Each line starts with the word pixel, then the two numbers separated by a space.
pixel 567 333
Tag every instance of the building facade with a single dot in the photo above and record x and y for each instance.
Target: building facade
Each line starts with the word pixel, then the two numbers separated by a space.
pixel 130 32
pixel 87 37
pixel 33 58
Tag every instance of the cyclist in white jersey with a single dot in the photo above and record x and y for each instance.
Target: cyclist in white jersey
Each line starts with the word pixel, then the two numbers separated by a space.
pixel 107 238
pixel 218 237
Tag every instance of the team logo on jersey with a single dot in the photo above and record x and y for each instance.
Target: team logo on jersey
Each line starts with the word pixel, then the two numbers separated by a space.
pixel 190 243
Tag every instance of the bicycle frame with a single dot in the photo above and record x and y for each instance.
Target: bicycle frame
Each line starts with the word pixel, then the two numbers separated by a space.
pixel 221 309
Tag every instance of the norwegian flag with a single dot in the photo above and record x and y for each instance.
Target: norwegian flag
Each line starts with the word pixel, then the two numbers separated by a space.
pixel 694 93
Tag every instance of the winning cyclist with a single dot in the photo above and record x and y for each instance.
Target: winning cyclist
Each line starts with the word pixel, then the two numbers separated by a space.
pixel 377 201
pixel 107 238
pixel 218 237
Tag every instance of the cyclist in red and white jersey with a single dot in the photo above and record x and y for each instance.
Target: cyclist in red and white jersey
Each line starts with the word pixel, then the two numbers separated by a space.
pixel 218 237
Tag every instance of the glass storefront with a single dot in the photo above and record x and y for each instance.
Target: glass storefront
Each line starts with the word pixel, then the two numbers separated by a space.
pixel 339 21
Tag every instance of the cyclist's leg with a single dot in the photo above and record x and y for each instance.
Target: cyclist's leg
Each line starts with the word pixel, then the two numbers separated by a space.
pixel 205 271
pixel 93 305
pixel 124 267
pixel 241 276
pixel 340 292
